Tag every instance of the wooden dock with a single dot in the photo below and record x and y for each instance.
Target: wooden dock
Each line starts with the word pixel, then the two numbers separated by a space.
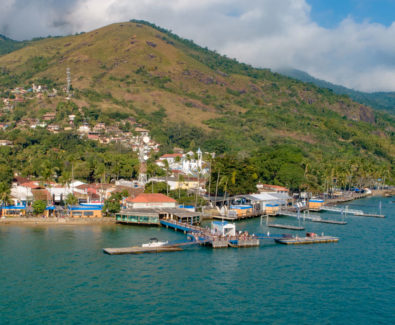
pixel 275 225
pixel 306 240
pixel 334 222
pixel 248 242
pixel 140 250
pixel 372 215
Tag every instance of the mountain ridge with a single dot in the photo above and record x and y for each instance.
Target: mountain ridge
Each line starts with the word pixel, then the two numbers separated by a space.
pixel 189 96
pixel 380 100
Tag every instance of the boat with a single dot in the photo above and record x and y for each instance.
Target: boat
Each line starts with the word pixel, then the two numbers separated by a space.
pixel 154 242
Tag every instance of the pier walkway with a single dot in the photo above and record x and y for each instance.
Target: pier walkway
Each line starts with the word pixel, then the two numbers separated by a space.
pixel 204 236
pixel 310 217
pixel 342 210
pixel 345 210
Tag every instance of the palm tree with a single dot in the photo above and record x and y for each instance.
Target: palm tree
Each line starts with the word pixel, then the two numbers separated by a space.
pixel 5 194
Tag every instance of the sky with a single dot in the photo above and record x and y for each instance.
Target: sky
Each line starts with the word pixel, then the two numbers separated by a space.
pixel 347 42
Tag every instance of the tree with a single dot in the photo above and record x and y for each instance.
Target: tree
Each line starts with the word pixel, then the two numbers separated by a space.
pixel 4 193
pixel 39 206
pixel 156 187
pixel 71 199
pixel 113 203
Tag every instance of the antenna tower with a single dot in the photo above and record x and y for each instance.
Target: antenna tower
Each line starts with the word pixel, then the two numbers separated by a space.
pixel 68 82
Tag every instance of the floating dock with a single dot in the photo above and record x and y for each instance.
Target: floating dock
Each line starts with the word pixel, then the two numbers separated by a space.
pixel 346 210
pixel 372 215
pixel 140 250
pixel 275 225
pixel 310 217
pixel 306 240
pixel 334 222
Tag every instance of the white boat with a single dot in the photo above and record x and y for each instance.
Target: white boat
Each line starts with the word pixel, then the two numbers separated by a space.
pixel 154 242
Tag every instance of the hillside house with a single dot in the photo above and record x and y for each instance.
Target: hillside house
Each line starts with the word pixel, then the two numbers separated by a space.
pixel 53 128
pixel 99 128
pixel 49 116
pixel 142 132
pixel 84 128
pixel 5 143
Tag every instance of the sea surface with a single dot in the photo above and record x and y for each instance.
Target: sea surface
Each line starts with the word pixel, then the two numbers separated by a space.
pixel 59 274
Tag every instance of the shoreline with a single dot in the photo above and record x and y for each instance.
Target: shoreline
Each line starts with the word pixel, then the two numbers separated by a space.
pixel 56 221
pixel 31 221
pixel 353 197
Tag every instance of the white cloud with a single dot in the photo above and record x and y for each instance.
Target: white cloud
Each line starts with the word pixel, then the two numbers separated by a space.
pixel 265 33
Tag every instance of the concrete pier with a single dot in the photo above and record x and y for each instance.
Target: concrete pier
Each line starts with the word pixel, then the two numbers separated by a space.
pixel 140 250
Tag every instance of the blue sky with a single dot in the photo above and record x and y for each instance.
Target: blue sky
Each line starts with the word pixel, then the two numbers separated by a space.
pixel 329 13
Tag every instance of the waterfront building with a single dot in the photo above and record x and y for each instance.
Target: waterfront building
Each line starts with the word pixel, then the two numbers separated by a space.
pixel 315 204
pixel 86 211
pixel 150 200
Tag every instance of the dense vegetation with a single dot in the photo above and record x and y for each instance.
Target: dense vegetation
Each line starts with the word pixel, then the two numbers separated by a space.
pixel 379 100
pixel 264 127
pixel 8 45
pixel 42 155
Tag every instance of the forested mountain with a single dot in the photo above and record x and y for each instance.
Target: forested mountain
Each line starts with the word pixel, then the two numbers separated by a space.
pixel 280 129
pixel 8 45
pixel 379 100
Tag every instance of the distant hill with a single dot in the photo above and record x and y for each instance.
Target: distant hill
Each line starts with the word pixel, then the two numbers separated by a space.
pixel 379 100
pixel 190 97
pixel 8 45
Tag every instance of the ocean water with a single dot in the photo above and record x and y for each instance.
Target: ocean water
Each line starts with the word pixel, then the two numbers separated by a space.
pixel 59 274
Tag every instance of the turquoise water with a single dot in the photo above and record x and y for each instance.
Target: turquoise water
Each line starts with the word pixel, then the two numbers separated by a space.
pixel 58 274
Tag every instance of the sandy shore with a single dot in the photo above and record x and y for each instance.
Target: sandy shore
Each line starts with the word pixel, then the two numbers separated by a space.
pixel 56 221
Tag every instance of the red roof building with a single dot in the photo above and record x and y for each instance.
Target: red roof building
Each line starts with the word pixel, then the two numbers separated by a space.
pixel 171 155
pixel 150 200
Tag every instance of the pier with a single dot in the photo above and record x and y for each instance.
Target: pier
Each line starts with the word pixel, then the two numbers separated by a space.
pixel 275 225
pixel 345 210
pixel 306 240
pixel 203 236
pixel 140 250
pixel 310 217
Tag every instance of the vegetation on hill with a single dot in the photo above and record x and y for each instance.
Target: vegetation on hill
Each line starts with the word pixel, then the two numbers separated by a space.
pixel 8 45
pixel 263 126
pixel 379 100
pixel 45 156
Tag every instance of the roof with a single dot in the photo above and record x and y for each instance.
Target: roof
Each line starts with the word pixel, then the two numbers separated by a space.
pixel 277 187
pixel 14 207
pixel 141 130
pixel 152 198
pixel 264 197
pixel 31 184
pixel 85 207
pixel 171 155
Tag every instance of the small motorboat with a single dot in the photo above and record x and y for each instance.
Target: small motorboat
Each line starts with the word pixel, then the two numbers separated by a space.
pixel 154 242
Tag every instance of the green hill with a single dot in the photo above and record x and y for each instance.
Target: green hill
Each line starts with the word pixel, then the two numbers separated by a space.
pixel 192 97
pixel 8 45
pixel 379 100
